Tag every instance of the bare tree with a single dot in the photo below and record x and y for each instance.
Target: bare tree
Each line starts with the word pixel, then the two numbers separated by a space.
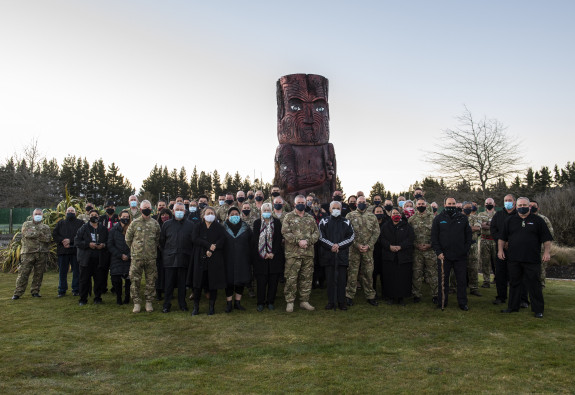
pixel 478 152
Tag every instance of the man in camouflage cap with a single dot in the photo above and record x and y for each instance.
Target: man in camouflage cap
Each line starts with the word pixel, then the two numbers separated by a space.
pixel 366 230
pixel 424 259
pixel 300 232
pixel 143 237
pixel 36 238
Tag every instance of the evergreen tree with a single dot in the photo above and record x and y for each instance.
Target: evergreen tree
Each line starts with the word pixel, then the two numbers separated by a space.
pixel 216 183
pixel 376 189
pixel 205 184
pixel 194 191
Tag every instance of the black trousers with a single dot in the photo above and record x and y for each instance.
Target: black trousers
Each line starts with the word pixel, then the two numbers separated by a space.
pixel 377 272
pixel 101 284
pixel 502 279
pixel 87 273
pixel 230 289
pixel 336 280
pixel 525 277
pixel 266 288
pixel 460 269
pixel 117 284
pixel 204 285
pixel 175 276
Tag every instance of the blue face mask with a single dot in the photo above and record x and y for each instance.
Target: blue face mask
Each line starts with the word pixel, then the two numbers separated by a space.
pixel 193 209
pixel 267 215
pixel 37 218
pixel 508 205
pixel 235 219
pixel 179 214
pixel 401 203
pixel 133 203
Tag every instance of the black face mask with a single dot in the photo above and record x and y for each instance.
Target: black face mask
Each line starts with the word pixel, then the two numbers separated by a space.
pixel 229 202
pixel 421 209
pixel 110 211
pixel 459 209
pixel 337 198
pixel 523 210
pixel 241 199
pixel 300 207
pixel 171 206
pixel 489 207
pixel 361 206
pixel 146 211
pixel 450 210
pixel 353 206
pixel 251 197
pixel 88 208
pixel 388 207
pixel 275 194
pixel 533 209
pixel 278 206
pixel 418 196
pixel 70 216
pixel 94 220
pixel 434 209
pixel 202 205
pixel 379 216
pixel 125 221
pixel 246 212
pixel 377 202
pixel 259 198
pixel 467 211
pixel 187 206
pixel 474 208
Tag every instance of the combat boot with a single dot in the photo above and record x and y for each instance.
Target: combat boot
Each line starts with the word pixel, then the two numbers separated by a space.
pixel 137 308
pixel 229 307
pixel 196 309
pixel 238 305
pixel 306 306
pixel 211 309
pixel 289 308
pixel 149 307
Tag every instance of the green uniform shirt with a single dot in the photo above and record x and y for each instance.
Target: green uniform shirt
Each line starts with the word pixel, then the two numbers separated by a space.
pixel 296 228
pixel 143 237
pixel 35 238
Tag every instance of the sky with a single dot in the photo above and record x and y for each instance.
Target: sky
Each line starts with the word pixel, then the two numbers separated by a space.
pixel 193 83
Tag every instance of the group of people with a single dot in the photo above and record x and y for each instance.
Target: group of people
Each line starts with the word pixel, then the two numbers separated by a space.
pixel 343 246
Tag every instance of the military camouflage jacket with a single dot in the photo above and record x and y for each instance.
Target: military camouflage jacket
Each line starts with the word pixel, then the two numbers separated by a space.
pixel 222 212
pixel 548 224
pixel 133 216
pixel 143 237
pixel 485 216
pixel 35 237
pixel 365 226
pixel 296 228
pixel 421 224
pixel 474 220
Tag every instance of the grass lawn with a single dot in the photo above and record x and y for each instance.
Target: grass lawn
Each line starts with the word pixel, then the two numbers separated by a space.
pixel 52 345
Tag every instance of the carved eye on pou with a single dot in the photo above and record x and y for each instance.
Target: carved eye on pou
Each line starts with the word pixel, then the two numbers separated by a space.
pixel 297 107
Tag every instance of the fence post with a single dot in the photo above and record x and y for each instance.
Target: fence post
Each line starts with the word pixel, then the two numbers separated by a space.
pixel 10 223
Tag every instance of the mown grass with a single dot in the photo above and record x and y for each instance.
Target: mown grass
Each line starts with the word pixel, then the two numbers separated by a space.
pixel 52 345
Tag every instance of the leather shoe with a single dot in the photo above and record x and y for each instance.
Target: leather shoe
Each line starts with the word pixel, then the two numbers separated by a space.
pixel 342 306
pixel 464 307
pixel 260 307
pixel 61 295
pixel 75 293
pixel 330 306
pixel 498 301
pixel 166 310
pixel 36 295
pixel 271 307
pixel 475 292
pixel 15 297
pixel 524 305
pixel 509 311
pixel 372 302
pixel 81 303
pixel 538 315
pixel 486 285
pixel 349 301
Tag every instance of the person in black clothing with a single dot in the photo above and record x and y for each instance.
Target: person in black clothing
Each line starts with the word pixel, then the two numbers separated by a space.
pixel 208 270
pixel 336 236
pixel 176 246
pixel 63 234
pixel 396 239
pixel 107 220
pixel 524 233
pixel 451 240
pixel 318 213
pixel 120 258
pixel 194 214
pixel 163 216
pixel 269 257
pixel 382 218
pixel 91 242
pixel 238 258
pixel 336 197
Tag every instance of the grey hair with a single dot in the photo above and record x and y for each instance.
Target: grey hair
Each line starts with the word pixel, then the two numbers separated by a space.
pixel 524 198
pixel 267 206
pixel 334 203
pixel 467 202
pixel 37 209
pixel 144 202
pixel 178 204
pixel 299 197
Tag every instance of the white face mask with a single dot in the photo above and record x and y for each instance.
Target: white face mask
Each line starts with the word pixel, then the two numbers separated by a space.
pixel 221 202
pixel 335 212
pixel 210 218
pixel 37 218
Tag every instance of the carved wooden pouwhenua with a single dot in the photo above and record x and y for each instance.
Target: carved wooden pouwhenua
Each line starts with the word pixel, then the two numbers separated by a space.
pixel 305 159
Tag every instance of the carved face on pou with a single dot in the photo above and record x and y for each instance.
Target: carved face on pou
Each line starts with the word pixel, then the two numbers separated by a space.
pixel 303 112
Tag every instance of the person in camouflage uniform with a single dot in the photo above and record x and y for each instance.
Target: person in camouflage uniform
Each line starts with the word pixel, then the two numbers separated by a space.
pixel 143 236
pixel 275 192
pixel 487 246
pixel 134 210
pixel 36 238
pixel 473 261
pixel 534 207
pixel 222 211
pixel 257 204
pixel 424 258
pixel 300 233
pixel 279 208
pixel 248 215
pixel 366 230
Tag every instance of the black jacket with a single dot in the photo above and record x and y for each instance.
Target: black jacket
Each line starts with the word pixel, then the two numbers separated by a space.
pixel 238 255
pixel 84 238
pixel 203 237
pixel 269 266
pixel 117 247
pixel 401 235
pixel 105 220
pixel 451 236
pixel 66 229
pixel 498 222
pixel 335 230
pixel 176 243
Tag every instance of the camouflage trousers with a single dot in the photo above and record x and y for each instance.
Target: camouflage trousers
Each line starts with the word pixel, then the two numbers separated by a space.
pixel 299 276
pixel 34 261
pixel 364 262
pixel 137 268
pixel 424 267
pixel 488 254
pixel 473 268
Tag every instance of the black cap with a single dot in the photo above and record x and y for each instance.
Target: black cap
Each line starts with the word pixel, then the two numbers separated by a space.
pixel 110 203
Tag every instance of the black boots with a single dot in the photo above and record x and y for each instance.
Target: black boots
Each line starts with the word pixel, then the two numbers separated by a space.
pixel 238 305
pixel 228 306
pixel 196 309
pixel 211 309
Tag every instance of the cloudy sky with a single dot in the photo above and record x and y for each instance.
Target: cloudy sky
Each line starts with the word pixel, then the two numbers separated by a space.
pixel 184 83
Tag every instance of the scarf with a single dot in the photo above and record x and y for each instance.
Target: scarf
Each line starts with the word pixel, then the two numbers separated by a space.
pixel 266 236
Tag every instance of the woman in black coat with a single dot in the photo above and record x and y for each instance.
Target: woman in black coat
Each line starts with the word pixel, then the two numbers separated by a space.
pixel 238 258
pixel 163 216
pixel 268 256
pixel 91 241
pixel 397 238
pixel 377 251
pixel 120 257
pixel 209 270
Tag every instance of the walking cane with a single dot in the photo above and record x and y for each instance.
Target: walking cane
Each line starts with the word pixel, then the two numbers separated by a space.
pixel 442 286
